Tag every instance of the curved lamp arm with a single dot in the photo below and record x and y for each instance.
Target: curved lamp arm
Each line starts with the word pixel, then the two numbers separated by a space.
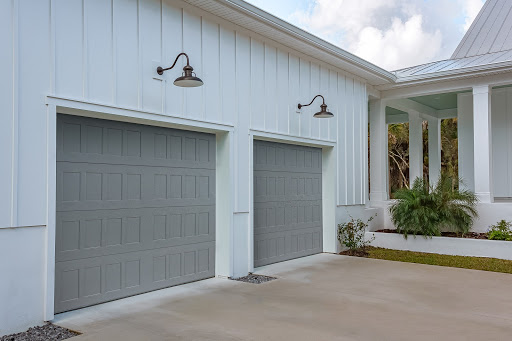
pixel 306 105
pixel 161 70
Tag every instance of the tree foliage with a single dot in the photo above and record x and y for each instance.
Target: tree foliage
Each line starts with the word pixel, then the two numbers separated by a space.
pixel 398 153
pixel 428 210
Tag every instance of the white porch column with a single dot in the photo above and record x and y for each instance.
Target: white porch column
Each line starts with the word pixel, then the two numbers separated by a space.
pixel 378 152
pixel 482 142
pixel 415 146
pixel 465 134
pixel 434 149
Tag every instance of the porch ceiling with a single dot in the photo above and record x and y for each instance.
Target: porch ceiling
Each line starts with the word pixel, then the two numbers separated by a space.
pixel 392 111
pixel 438 101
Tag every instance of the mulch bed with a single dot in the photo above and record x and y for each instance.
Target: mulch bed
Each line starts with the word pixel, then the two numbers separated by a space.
pixel 469 235
pixel 41 333
pixel 253 278
pixel 355 253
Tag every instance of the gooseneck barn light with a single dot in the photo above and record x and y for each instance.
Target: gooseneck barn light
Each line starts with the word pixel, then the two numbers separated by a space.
pixel 188 79
pixel 323 113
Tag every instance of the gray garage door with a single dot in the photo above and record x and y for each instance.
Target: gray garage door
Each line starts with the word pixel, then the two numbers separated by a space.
pixel 287 202
pixel 135 209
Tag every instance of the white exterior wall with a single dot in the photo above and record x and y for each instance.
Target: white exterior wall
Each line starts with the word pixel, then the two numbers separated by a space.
pixel 502 142
pixel 105 52
pixel 501 131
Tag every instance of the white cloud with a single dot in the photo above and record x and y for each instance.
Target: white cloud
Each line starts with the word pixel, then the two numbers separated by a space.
pixel 471 9
pixel 393 34
pixel 403 44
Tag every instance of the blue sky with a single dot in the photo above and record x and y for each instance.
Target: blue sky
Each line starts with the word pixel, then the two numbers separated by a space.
pixel 393 34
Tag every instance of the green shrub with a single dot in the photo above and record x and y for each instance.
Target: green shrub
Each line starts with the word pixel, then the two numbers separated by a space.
pixel 351 234
pixel 501 231
pixel 426 210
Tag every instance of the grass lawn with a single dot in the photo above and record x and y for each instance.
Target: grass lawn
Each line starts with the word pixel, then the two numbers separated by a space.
pixel 476 263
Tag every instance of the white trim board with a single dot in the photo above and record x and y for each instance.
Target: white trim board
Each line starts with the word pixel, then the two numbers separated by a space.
pixel 98 110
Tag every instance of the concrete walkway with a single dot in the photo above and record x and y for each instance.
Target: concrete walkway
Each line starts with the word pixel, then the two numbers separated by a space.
pixel 323 297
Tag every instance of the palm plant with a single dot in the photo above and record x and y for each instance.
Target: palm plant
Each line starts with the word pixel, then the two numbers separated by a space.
pixel 426 210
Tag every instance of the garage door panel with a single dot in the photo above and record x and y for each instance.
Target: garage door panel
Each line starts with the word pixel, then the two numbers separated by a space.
pixel 284 245
pixel 101 141
pixel 87 186
pixel 92 281
pixel 99 233
pixel 287 202
pixel 275 157
pixel 279 186
pixel 135 209
pixel 272 217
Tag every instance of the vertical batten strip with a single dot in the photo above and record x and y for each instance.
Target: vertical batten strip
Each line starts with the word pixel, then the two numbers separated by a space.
pixel 353 145
pixel 315 88
pixel 250 80
pixel 221 97
pixel 203 105
pixel 361 143
pixel 264 85
pixel 139 59
pixel 15 123
pixel 162 82
pixel 183 96
pixel 113 45
pixel 289 99
pixel 85 54
pixel 277 87
pixel 343 149
pixel 356 156
pixel 52 47
pixel 509 131
pixel 365 145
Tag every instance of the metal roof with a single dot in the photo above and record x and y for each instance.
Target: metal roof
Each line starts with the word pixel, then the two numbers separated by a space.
pixel 455 65
pixel 491 31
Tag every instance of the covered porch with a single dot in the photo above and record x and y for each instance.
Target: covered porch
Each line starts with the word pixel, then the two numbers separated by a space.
pixel 484 130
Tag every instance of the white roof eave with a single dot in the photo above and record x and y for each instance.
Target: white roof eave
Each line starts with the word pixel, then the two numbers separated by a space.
pixel 294 37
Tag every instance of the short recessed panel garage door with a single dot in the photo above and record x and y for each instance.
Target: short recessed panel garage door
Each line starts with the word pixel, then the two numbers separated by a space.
pixel 287 202
pixel 135 209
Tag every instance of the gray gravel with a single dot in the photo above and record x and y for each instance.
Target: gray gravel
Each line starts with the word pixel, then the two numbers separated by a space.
pixel 41 333
pixel 255 279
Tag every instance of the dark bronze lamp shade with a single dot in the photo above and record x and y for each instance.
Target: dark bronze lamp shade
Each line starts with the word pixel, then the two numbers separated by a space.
pixel 323 113
pixel 188 79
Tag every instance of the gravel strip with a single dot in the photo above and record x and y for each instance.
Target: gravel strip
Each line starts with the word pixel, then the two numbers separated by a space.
pixel 41 333
pixel 253 278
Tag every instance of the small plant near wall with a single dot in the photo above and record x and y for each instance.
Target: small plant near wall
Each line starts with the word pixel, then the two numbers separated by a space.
pixel 500 231
pixel 429 210
pixel 351 235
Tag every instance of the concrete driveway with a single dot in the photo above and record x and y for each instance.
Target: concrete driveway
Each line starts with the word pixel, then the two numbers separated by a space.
pixel 322 297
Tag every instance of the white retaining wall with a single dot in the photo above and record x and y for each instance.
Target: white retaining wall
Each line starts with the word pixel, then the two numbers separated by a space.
pixel 444 245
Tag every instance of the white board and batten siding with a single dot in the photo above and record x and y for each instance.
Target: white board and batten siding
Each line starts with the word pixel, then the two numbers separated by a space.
pixel 502 142
pixel 105 52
